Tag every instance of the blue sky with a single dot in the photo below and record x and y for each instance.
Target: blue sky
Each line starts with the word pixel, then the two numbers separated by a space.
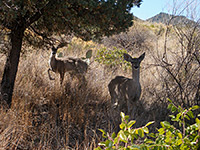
pixel 150 8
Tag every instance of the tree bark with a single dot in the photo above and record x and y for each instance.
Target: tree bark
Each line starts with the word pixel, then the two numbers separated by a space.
pixel 11 66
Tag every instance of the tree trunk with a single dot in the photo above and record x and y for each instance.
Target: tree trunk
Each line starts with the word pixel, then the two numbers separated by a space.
pixel 11 66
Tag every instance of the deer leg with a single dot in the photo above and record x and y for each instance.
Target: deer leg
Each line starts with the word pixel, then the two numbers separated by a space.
pixel 61 77
pixel 50 74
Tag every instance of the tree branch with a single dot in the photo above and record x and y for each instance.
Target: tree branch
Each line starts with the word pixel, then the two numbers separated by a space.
pixel 38 14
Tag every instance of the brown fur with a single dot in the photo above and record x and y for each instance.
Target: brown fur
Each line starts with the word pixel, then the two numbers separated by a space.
pixel 124 91
pixel 75 65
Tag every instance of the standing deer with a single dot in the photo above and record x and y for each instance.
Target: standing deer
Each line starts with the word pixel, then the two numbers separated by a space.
pixel 124 91
pixel 71 65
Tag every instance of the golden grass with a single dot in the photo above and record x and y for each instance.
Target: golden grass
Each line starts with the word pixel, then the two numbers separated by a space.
pixel 45 115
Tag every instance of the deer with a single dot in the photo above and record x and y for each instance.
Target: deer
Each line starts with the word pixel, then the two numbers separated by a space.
pixel 125 91
pixel 61 66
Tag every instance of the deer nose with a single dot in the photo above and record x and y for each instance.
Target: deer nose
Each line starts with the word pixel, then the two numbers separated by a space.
pixel 136 67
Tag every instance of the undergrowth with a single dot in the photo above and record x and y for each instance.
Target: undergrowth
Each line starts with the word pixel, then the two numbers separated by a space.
pixel 184 137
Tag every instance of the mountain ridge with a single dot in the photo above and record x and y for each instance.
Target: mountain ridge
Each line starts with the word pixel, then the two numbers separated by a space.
pixel 166 18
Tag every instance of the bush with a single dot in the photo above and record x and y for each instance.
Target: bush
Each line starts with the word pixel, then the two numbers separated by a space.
pixel 112 58
pixel 167 137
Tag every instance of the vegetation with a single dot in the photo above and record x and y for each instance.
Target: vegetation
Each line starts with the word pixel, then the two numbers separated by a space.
pixel 44 115
pixel 167 137
pixel 87 20
pixel 112 58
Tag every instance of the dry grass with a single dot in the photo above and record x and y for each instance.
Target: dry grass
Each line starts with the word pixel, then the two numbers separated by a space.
pixel 45 115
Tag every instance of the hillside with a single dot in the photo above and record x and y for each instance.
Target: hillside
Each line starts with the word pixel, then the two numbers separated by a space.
pixel 174 20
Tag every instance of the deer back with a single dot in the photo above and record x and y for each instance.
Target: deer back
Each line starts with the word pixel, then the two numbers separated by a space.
pixel 81 66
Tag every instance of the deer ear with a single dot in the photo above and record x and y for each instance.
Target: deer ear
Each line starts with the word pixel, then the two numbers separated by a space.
pixel 142 56
pixel 127 57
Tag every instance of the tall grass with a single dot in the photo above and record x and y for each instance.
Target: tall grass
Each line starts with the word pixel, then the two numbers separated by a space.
pixel 45 115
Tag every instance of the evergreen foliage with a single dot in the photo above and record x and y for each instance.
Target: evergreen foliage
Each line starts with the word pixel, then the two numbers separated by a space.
pixel 85 19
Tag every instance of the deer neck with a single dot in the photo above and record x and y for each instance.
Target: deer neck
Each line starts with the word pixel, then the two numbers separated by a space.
pixel 53 57
pixel 52 60
pixel 136 75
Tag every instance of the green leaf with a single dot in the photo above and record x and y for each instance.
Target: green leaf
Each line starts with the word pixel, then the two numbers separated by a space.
pixel 173 109
pixel 145 129
pixel 165 124
pixel 169 106
pixel 186 116
pixel 103 133
pixel 122 125
pixel 180 109
pixel 122 115
pixel 190 114
pixel 127 117
pixel 116 140
pixel 149 123
pixel 167 139
pixel 177 117
pixel 152 135
pixel 136 131
pixel 180 135
pixel 131 123
pixel 195 107
pixel 148 141
pixel 123 136
pixel 197 121
pixel 173 118
pixel 169 100
pixel 113 135
pixel 140 132
pixel 196 138
pixel 109 143
pixel 161 131
pixel 179 142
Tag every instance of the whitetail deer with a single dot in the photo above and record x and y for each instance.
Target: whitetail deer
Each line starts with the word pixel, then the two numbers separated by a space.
pixel 124 91
pixel 71 65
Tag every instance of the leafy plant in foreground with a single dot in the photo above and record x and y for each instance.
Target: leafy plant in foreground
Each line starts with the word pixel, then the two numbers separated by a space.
pixel 170 137
pixel 124 139
pixel 186 137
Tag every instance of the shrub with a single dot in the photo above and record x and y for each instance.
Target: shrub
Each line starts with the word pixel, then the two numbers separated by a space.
pixel 112 58
pixel 167 137
pixel 126 136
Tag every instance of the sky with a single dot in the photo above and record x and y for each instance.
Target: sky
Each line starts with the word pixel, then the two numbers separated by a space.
pixel 150 8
